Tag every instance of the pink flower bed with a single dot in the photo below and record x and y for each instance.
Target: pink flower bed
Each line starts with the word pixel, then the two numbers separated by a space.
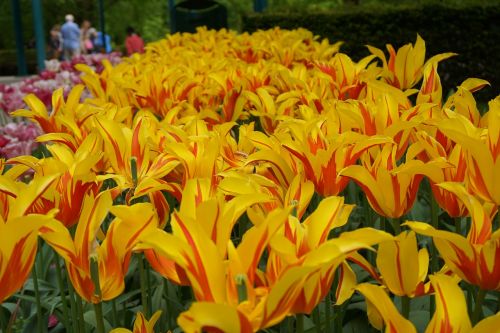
pixel 18 138
pixel 58 74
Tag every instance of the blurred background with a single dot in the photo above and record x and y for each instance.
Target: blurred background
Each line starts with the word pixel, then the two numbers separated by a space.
pixel 470 28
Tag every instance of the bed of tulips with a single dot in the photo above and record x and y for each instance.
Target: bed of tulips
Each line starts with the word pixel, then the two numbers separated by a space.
pixel 266 182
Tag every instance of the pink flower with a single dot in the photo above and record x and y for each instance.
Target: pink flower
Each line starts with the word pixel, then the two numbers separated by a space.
pixel 53 321
pixel 3 141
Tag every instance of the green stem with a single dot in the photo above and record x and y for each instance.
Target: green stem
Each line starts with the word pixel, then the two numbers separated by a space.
pixel 299 323
pixel 3 321
pixel 458 225
pixel 166 316
pixel 338 318
pixel 369 222
pixel 74 310
pixel 405 306
pixel 99 317
pixel 328 304
pixel 434 253
pixel 81 319
pixel 148 280
pixel 62 291
pixel 39 323
pixel 114 313
pixel 144 292
pixel 316 320
pixel 478 307
pixel 396 225
pixel 498 302
pixel 94 273
pixel 469 300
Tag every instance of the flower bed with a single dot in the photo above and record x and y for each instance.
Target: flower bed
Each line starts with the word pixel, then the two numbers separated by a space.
pixel 238 183
pixel 56 75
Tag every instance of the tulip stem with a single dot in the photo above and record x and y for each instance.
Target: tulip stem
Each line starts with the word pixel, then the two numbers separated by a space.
pixel 405 306
pixel 396 225
pixel 37 300
pixel 3 321
pixel 299 323
pixel 458 225
pixel 114 313
pixel 317 320
pixel 144 292
pixel 81 319
pixel 328 304
pixel 99 317
pixel 434 253
pixel 478 307
pixel 72 303
pixel 62 291
pixel 168 310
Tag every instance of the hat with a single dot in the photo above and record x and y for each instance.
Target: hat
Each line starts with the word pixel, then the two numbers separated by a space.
pixel 69 17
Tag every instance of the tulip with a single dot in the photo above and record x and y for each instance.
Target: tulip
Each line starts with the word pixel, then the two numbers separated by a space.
pixel 454 172
pixel 141 324
pixel 451 310
pixel 112 254
pixel 75 178
pixel 405 67
pixel 19 230
pixel 481 151
pixel 400 274
pixel 473 258
pixel 212 317
pixel 322 157
pixel 134 165
pixel 391 189
pixel 62 118
pixel 382 312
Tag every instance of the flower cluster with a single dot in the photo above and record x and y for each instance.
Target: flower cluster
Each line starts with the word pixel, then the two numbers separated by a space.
pixel 57 74
pixel 224 160
pixel 18 138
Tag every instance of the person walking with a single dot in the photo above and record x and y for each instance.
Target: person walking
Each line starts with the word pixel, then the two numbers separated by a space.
pixel 70 33
pixel 88 34
pixel 133 42
pixel 55 43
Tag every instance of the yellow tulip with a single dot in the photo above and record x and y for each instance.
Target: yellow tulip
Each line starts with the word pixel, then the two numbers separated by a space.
pixel 482 151
pixel 474 258
pixel 18 250
pixel 112 254
pixel 321 156
pixel 454 155
pixel 391 189
pixel 451 310
pixel 141 324
pixel 212 317
pixel 405 67
pixel 382 312
pixel 403 267
pixel 19 231
pixel 134 165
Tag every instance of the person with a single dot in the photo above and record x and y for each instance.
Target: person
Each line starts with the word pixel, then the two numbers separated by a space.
pixel 55 42
pixel 70 33
pixel 106 48
pixel 88 34
pixel 133 42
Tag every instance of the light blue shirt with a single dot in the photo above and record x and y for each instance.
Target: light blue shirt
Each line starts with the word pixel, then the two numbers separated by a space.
pixel 71 35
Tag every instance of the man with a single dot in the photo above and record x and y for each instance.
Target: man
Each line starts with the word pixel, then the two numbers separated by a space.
pixel 70 33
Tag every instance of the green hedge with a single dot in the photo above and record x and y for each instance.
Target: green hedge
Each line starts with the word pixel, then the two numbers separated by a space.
pixel 472 31
pixel 8 61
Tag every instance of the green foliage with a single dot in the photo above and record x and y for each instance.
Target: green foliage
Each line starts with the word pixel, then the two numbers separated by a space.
pixel 471 30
